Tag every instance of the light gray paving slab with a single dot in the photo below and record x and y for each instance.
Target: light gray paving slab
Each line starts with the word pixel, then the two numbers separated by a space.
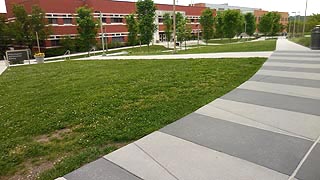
pixel 290 103
pixel 296 54
pixel 297 65
pixel 291 90
pixel 139 163
pixel 310 170
pixel 278 152
pixel 100 169
pixel 298 75
pixel 189 161
pixel 286 45
pixel 295 58
pixel 292 69
pixel 3 67
pixel 271 119
pixel 293 61
pixel 286 80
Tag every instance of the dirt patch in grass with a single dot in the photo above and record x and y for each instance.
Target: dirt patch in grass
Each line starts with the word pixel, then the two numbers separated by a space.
pixel 59 134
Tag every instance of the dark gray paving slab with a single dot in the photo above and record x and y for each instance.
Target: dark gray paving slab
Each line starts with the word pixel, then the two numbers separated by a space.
pixel 291 69
pixel 293 61
pixel 279 152
pixel 300 52
pixel 100 169
pixel 287 81
pixel 291 103
pixel 310 170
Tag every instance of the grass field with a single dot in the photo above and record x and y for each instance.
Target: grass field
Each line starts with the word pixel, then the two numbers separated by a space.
pixel 268 45
pixel 56 117
pixel 304 41
pixel 225 41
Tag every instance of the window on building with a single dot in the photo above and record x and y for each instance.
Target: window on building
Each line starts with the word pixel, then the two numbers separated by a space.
pixel 55 42
pixel 220 9
pixel 118 39
pixel 53 21
pixel 160 20
pixel 104 20
pixel 116 20
pixel 67 20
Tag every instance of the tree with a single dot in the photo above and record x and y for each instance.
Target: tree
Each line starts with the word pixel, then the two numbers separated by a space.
pixel 207 22
pixel 250 25
pixel 313 21
pixel 219 25
pixel 23 29
pixel 87 28
pixel 231 23
pixel 4 36
pixel 181 30
pixel 270 23
pixel 68 44
pixel 168 24
pixel 146 12
pixel 132 26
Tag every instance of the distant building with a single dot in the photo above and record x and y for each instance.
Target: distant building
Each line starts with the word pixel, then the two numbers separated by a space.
pixel 258 13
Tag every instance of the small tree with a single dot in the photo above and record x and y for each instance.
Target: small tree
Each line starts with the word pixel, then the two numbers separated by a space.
pixel 4 36
pixel 87 28
pixel 250 23
pixel 231 23
pixel 68 44
pixel 146 12
pixel 270 23
pixel 132 26
pixel 181 30
pixel 276 26
pixel 207 22
pixel 168 24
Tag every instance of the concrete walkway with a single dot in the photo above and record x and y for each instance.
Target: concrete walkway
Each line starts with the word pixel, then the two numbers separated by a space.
pixel 266 129
pixel 3 66
pixel 264 54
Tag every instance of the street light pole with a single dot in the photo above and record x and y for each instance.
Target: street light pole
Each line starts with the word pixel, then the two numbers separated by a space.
pixel 174 27
pixel 294 23
pixel 102 35
pixel 305 19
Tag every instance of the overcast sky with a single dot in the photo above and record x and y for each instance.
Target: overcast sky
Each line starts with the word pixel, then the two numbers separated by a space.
pixel 270 5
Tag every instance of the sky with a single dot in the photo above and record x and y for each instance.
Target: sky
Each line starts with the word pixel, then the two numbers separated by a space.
pixel 2 7
pixel 270 5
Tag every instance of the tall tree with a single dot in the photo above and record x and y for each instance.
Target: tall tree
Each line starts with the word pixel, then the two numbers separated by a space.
pixel 219 25
pixel 207 22
pixel 270 23
pixel 146 12
pixel 250 26
pixel 132 26
pixel 313 20
pixel 87 28
pixel 168 25
pixel 181 30
pixel 24 28
pixel 231 23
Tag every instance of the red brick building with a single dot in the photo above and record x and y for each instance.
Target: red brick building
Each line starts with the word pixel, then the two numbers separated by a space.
pixel 62 17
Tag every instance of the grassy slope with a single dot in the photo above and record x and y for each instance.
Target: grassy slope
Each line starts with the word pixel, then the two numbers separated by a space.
pixel 268 45
pixel 304 41
pixel 101 105
pixel 225 41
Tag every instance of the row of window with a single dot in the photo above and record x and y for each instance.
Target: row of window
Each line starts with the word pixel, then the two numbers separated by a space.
pixel 69 20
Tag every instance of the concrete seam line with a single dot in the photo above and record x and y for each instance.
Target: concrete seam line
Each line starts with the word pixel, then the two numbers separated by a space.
pixel 156 161
pixel 304 159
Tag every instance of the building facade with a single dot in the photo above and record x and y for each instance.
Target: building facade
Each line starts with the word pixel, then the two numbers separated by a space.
pixel 61 16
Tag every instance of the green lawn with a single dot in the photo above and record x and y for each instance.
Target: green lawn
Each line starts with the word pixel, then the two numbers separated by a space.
pixel 268 45
pixel 225 41
pixel 304 41
pixel 65 114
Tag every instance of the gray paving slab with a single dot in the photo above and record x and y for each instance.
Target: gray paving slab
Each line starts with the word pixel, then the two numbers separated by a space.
pixel 279 152
pixel 296 54
pixel 290 103
pixel 286 80
pixel 300 75
pixel 293 61
pixel 189 161
pixel 101 169
pixel 281 64
pixel 286 45
pixel 310 170
pixel 292 69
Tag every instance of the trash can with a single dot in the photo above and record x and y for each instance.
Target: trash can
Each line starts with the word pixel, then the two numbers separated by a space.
pixel 315 38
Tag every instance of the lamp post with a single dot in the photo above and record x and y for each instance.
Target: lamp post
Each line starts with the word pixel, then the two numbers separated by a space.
pixel 174 28
pixel 102 35
pixel 305 19
pixel 294 23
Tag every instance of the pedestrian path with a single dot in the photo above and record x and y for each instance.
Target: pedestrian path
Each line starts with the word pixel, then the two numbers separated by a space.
pixel 3 66
pixel 266 129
